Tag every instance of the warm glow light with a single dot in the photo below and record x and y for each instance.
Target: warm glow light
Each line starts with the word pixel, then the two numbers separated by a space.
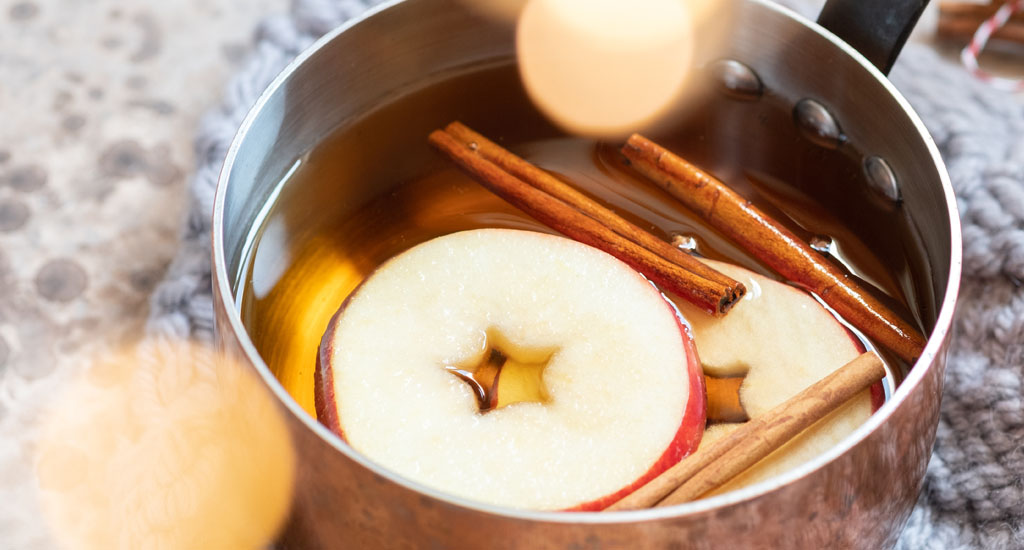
pixel 704 10
pixel 168 446
pixel 505 10
pixel 605 67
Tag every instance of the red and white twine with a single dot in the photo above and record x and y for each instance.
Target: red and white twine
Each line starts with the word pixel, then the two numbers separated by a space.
pixel 969 55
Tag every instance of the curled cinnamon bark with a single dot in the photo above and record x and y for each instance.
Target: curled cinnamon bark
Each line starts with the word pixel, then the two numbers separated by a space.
pixel 773 244
pixel 555 204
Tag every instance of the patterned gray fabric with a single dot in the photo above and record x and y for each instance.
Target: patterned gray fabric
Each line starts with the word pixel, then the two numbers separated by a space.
pixel 974 493
pixel 181 305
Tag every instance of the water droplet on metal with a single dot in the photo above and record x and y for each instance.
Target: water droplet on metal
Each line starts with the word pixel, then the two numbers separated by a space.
pixel 822 243
pixel 684 242
pixel 817 124
pixel 737 80
pixel 881 179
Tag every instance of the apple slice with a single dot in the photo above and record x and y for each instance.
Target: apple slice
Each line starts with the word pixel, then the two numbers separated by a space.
pixel 599 387
pixel 782 340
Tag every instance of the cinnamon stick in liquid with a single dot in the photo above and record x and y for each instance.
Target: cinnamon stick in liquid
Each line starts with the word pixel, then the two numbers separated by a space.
pixel 553 186
pixel 773 244
pixel 726 458
pixel 714 294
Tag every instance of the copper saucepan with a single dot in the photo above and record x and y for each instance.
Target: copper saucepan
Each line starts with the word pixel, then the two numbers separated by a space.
pixel 858 495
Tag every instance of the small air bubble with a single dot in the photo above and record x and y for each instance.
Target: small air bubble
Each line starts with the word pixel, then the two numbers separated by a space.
pixel 822 243
pixel 684 242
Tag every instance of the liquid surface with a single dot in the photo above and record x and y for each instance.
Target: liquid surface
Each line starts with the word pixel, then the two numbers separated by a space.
pixel 375 189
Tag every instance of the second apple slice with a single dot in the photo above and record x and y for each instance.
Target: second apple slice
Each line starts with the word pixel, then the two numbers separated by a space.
pixel 603 389
pixel 782 341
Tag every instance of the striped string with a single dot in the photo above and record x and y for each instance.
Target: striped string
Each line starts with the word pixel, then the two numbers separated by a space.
pixel 969 55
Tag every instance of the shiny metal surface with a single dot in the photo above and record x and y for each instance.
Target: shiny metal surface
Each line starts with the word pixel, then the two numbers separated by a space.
pixel 856 496
pixel 881 179
pixel 737 80
pixel 817 124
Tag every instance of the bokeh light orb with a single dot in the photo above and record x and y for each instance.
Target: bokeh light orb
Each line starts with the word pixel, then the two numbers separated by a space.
pixel 168 445
pixel 604 68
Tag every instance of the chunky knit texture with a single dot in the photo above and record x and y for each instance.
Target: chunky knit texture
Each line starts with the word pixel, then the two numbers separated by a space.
pixel 974 491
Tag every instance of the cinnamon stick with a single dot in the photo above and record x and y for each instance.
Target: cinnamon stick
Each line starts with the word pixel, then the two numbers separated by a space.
pixel 726 458
pixel 553 186
pixel 714 294
pixel 773 244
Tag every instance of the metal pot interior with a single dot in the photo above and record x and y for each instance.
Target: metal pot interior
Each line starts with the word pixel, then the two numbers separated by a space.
pixel 402 45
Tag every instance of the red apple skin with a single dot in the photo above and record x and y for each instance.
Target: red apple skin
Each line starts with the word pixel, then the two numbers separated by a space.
pixel 877 396
pixel 323 376
pixel 685 442
pixel 687 438
pixel 323 380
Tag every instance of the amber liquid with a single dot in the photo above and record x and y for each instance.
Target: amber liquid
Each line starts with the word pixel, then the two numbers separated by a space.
pixel 321 239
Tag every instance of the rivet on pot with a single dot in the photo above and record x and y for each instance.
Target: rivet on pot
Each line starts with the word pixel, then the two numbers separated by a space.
pixel 881 179
pixel 817 124
pixel 737 80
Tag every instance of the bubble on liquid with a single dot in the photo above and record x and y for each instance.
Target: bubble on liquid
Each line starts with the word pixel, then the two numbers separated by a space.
pixel 753 289
pixel 684 242
pixel 822 243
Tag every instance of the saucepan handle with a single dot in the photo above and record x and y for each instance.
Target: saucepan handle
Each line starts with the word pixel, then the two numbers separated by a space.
pixel 876 28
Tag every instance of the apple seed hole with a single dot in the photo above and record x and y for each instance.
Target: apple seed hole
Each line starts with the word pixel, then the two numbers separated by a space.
pixel 724 405
pixel 505 373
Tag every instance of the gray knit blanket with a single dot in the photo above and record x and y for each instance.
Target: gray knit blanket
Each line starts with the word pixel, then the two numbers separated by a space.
pixel 974 490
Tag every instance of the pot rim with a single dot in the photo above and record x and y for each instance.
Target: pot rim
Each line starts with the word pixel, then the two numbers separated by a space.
pixel 932 350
